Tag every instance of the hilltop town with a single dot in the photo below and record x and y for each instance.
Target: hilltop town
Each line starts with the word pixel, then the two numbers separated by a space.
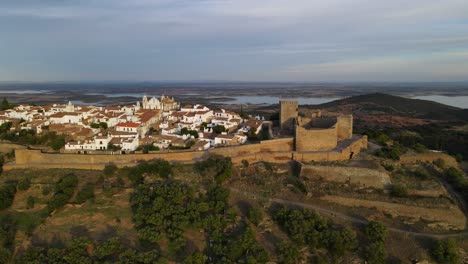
pixel 150 125
pixel 154 125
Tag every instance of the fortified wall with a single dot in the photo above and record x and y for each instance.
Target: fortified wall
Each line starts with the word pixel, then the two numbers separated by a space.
pixel 316 138
pixel 322 133
pixel 274 151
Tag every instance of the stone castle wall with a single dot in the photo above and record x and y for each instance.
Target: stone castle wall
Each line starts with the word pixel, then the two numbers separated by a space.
pixel 315 139
pixel 274 151
pixel 353 149
pixel 344 126
pixel 288 114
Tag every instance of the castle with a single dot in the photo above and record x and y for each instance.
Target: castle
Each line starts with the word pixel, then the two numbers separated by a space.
pixel 315 132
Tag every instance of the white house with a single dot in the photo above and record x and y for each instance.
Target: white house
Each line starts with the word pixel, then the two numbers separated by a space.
pixel 65 118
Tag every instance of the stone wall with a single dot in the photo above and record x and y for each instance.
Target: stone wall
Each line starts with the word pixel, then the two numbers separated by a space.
pixel 274 151
pixel 353 175
pixel 288 114
pixel 345 126
pixel 353 148
pixel 35 158
pixel 276 145
pixel 315 139
pixel 429 157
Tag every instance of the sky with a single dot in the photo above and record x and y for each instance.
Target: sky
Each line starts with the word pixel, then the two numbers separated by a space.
pixel 234 40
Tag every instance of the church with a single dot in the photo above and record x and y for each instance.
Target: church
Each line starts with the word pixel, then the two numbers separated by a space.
pixel 166 103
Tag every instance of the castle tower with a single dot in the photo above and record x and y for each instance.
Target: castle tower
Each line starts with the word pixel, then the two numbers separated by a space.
pixel 288 114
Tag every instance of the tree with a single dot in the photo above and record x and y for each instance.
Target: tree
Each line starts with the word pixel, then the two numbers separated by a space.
pixel 63 191
pixel 399 190
pixel 5 255
pixel 4 105
pixel 57 142
pixel 376 231
pixel 445 251
pixel 111 247
pixel 339 241
pixel 113 147
pixel 7 194
pixel 30 202
pixel 109 169
pixel 218 129
pixel 245 163
pixel 288 253
pixel 255 215
pixel 24 184
pixel 173 208
pixel 219 167
pixel 375 253
pixel 86 193
pixel 196 258
pixel 103 125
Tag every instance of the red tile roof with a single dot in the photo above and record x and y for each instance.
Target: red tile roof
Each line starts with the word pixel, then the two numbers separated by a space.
pixel 128 124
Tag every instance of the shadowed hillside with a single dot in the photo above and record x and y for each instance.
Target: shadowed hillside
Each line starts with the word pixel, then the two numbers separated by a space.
pixel 390 104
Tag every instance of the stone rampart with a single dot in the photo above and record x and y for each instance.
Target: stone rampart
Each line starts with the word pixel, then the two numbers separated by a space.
pixel 344 126
pixel 276 145
pixel 274 151
pixel 353 175
pixel 429 157
pixel 315 139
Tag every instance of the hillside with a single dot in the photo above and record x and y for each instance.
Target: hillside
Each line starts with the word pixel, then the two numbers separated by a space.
pixel 396 105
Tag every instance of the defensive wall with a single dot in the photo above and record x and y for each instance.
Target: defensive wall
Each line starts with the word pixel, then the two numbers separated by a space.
pixel 360 176
pixel 322 134
pixel 429 157
pixel 274 151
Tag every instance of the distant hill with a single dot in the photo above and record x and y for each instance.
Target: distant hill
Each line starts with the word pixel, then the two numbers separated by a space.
pixel 391 104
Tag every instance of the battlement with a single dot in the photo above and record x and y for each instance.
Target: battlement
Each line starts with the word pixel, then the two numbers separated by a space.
pixel 289 102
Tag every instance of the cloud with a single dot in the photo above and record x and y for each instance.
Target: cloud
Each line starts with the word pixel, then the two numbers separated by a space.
pixel 65 38
pixel 449 66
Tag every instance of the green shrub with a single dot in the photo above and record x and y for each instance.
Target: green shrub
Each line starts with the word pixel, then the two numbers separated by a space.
pixel 255 215
pixel 439 163
pixel 7 194
pixel 375 253
pixel 46 190
pixel 159 167
pixel 109 248
pixel 63 191
pixel 86 193
pixel 218 167
pixel 376 231
pixel 421 174
pixel 399 190
pixel 419 148
pixel 288 253
pixel 30 202
pixel 109 169
pixel 445 251
pixel 24 184
pixel 388 167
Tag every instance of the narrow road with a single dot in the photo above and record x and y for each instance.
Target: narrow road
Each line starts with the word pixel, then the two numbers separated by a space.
pixel 335 214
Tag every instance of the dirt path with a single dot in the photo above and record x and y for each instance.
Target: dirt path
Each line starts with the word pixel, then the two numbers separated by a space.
pixel 335 214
